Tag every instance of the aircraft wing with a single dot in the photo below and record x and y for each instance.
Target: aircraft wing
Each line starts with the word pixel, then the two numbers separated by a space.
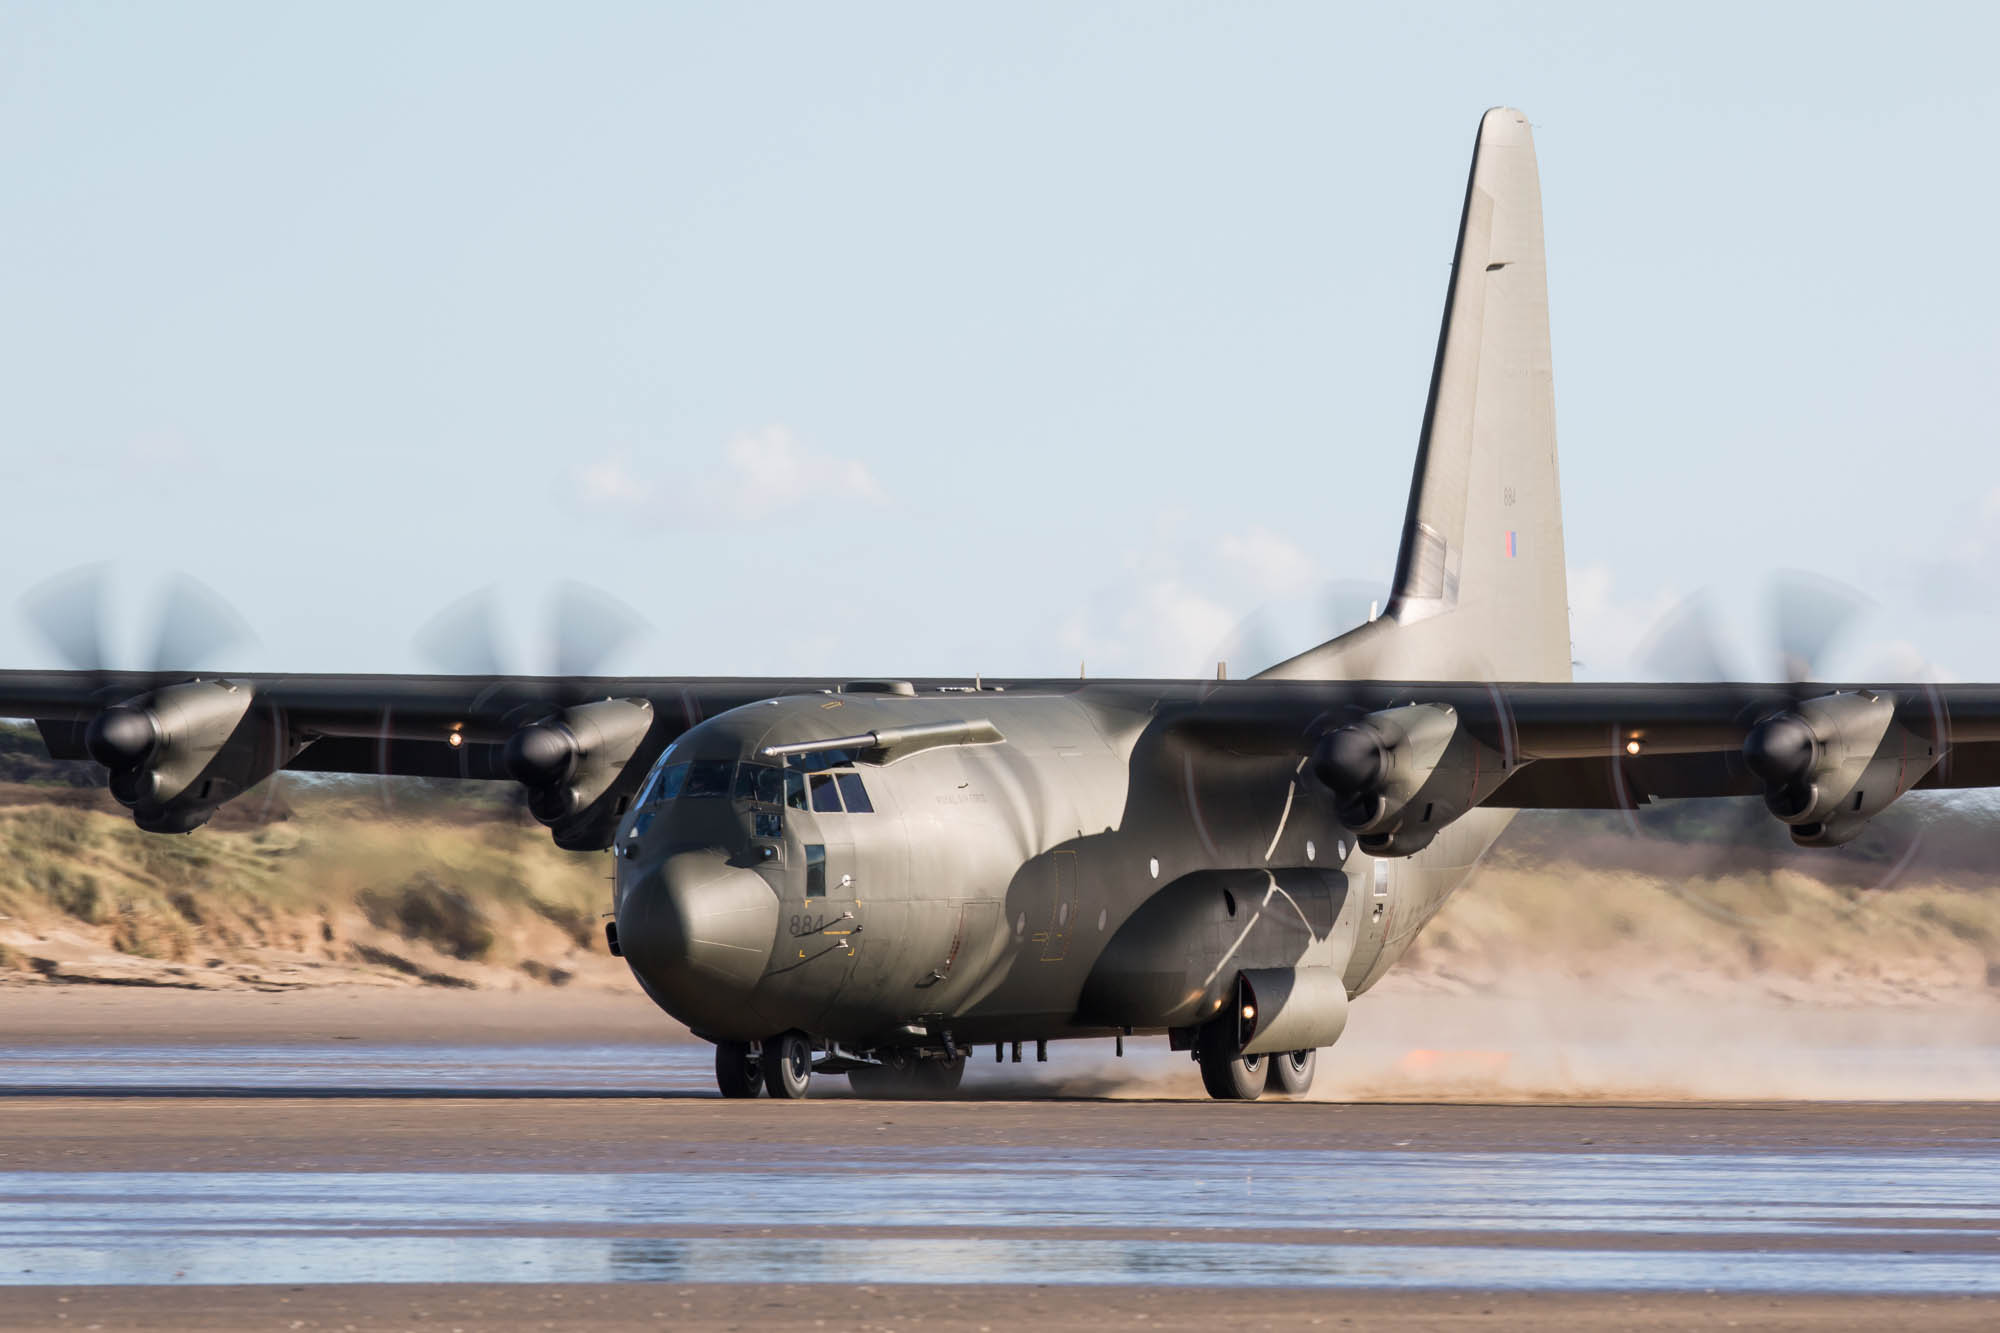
pixel 177 747
pixel 1404 758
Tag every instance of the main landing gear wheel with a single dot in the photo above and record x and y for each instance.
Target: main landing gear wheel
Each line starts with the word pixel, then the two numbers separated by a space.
pixel 1292 1072
pixel 1230 1077
pixel 788 1065
pixel 940 1078
pixel 737 1070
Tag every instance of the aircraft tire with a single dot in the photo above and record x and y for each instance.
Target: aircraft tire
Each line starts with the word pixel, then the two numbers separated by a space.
pixel 1229 1077
pixel 1292 1072
pixel 938 1078
pixel 736 1069
pixel 788 1066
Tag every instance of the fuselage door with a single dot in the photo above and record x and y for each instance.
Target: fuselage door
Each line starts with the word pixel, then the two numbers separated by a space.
pixel 823 923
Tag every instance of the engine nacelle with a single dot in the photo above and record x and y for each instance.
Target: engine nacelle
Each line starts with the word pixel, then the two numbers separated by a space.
pixel 1402 774
pixel 177 754
pixel 570 759
pixel 1831 764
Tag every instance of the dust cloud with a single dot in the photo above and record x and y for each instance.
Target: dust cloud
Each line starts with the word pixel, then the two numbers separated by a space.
pixel 1563 980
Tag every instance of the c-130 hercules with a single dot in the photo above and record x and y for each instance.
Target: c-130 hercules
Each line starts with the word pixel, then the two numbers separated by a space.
pixel 870 878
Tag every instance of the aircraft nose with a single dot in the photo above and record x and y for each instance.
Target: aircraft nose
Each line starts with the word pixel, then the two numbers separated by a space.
pixel 700 931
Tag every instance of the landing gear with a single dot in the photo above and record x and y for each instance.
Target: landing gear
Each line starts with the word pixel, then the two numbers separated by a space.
pixel 1292 1072
pixel 1228 1076
pixel 908 1078
pixel 940 1078
pixel 788 1065
pixel 737 1069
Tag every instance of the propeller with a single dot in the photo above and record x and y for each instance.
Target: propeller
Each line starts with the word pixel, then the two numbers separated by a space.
pixel 1285 626
pixel 194 626
pixel 582 628
pixel 68 612
pixel 1274 631
pixel 194 631
pixel 1807 618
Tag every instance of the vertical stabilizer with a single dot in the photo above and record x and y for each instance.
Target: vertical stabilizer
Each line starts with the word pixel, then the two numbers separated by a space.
pixel 1480 590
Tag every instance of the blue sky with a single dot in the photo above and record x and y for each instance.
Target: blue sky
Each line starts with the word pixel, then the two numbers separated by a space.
pixel 912 339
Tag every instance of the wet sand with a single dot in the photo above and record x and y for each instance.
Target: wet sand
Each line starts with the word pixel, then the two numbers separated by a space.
pixel 477 1132
pixel 1404 1216
pixel 569 1134
pixel 44 1013
pixel 954 1309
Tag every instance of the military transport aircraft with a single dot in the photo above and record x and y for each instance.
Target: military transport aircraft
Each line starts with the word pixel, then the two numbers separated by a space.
pixel 870 878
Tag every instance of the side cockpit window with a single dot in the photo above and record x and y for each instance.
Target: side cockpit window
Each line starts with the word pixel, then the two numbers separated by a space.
pixel 759 782
pixel 812 783
pixel 854 795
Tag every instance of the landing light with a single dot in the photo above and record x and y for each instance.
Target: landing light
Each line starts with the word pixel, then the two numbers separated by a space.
pixel 454 740
pixel 1249 1011
pixel 1632 746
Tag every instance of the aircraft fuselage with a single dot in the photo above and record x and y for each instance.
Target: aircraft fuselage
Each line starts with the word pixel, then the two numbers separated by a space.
pixel 1078 876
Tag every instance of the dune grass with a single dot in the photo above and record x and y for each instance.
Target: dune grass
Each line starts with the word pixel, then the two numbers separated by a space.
pixel 334 881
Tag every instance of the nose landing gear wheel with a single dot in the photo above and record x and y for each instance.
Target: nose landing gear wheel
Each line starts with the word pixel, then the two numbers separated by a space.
pixel 1292 1072
pixel 1231 1078
pixel 788 1065
pixel 737 1071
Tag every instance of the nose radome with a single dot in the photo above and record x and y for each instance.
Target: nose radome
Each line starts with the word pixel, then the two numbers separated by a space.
pixel 701 921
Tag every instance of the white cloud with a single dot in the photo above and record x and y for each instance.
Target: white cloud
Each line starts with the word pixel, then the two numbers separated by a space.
pixel 1902 660
pixel 610 482
pixel 1157 626
pixel 769 470
pixel 161 451
pixel 1269 564
pixel 759 473
pixel 1607 630
pixel 1191 597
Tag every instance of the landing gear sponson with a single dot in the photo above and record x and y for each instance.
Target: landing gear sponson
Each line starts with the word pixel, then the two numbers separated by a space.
pixel 784 1066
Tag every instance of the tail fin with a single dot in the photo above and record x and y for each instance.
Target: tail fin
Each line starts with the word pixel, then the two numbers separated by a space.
pixel 1480 590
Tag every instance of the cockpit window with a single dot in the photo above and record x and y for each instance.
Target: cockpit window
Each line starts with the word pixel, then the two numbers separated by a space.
pixel 826 797
pixel 707 777
pixel 795 790
pixel 759 782
pixel 664 785
pixel 854 794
